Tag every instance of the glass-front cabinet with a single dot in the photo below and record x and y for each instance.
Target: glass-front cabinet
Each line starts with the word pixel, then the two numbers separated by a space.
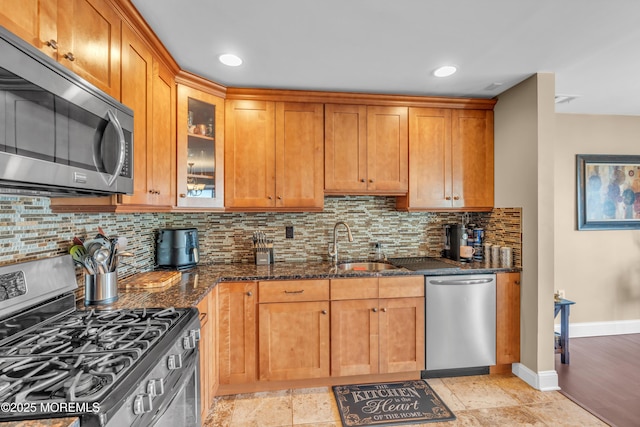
pixel 200 156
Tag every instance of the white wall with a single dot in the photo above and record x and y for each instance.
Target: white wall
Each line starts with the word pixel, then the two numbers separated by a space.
pixel 599 269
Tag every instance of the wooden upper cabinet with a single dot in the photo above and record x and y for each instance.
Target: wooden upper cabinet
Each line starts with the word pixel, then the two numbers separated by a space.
pixel 450 160
pixel 273 155
pixel 366 149
pixel 250 179
pixel 149 90
pixel 83 35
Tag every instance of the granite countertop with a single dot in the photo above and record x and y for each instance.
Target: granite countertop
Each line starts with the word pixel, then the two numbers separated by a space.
pixel 197 282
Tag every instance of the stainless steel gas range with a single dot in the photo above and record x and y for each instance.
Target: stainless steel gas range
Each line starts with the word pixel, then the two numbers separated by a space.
pixel 125 367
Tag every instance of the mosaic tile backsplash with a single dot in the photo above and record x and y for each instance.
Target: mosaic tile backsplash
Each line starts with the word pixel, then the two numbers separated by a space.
pixel 29 230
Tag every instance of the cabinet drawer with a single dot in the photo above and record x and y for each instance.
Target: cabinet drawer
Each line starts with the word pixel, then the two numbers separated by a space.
pixel 401 287
pixel 293 290
pixel 361 288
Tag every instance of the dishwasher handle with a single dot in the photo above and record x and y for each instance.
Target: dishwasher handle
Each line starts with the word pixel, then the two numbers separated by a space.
pixel 461 282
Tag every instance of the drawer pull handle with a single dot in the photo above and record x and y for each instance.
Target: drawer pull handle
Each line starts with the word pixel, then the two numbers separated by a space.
pixel 294 292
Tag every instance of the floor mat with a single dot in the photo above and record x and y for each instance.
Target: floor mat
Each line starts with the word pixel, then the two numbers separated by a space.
pixel 388 404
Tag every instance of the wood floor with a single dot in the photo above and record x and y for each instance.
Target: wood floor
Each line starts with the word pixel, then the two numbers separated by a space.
pixel 604 377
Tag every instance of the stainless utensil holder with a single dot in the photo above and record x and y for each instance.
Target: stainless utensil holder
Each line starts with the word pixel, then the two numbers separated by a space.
pixel 100 288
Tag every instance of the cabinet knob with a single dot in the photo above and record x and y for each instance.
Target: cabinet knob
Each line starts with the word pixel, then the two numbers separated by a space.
pixel 371 180
pixel 448 198
pixel 183 195
pixel 279 197
pixel 324 311
pixel 270 197
pixel 517 282
pixel 249 293
pixel 151 191
pixel 52 44
pixel 363 180
pixel 456 197
pixel 375 310
pixel 70 56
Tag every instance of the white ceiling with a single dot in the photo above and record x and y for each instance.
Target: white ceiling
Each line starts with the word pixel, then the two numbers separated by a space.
pixel 392 46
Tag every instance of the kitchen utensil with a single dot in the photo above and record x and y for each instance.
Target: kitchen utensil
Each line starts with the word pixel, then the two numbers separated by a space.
pixel 77 240
pixel 101 257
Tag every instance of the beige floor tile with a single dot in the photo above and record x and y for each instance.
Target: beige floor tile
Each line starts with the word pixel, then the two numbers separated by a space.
pixel 507 416
pixel 265 409
pixel 446 394
pixel 523 392
pixel 463 419
pixel 314 405
pixel 478 392
pixel 564 413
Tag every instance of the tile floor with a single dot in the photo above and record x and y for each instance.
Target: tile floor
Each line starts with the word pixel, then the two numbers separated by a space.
pixel 488 400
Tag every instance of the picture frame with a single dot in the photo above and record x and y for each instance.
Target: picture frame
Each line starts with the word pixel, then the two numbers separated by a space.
pixel 608 191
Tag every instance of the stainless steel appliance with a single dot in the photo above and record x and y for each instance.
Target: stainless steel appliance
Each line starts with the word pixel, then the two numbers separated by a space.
pixel 177 248
pixel 61 136
pixel 460 324
pixel 111 368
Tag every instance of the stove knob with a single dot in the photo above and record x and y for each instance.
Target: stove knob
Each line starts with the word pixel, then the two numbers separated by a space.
pixel 155 387
pixel 174 361
pixel 196 334
pixel 142 403
pixel 189 342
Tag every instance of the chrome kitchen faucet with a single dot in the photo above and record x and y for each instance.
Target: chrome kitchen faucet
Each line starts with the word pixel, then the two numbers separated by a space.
pixel 333 251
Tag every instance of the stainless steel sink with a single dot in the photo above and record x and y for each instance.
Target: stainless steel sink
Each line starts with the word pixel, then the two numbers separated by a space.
pixel 366 266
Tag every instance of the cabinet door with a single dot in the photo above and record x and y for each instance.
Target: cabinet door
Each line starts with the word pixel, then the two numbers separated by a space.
pixel 354 337
pixel 237 332
pixel 205 354
pixel 89 42
pixel 299 155
pixel 387 149
pixel 250 154
pixel 472 158
pixel 402 340
pixel 430 158
pixel 137 70
pixel 289 352
pixel 162 168
pixel 345 148
pixel 32 20
pixel 508 318
pixel 200 162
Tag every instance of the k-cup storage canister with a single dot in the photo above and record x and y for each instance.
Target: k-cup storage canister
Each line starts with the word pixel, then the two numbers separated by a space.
pixel 506 257
pixel 495 255
pixel 486 251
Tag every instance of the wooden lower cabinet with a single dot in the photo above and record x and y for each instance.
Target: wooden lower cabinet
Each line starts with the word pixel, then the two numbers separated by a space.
pixel 294 340
pixel 237 339
pixel 507 319
pixel 378 336
pixel 208 350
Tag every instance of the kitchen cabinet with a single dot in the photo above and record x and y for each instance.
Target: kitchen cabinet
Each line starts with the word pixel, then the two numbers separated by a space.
pixel 82 35
pixel 200 149
pixel 288 352
pixel 237 338
pixel 508 319
pixel 450 160
pixel 208 350
pixel 366 149
pixel 380 332
pixel 148 87
pixel 273 156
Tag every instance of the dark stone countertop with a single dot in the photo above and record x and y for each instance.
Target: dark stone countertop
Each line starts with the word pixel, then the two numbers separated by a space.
pixel 197 282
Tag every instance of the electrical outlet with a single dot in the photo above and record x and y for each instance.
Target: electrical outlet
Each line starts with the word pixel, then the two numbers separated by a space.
pixel 289 231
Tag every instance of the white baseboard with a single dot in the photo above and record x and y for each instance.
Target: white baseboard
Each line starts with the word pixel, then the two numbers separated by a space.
pixel 596 329
pixel 543 381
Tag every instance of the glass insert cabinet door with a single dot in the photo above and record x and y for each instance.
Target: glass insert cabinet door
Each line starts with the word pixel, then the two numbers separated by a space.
pixel 200 149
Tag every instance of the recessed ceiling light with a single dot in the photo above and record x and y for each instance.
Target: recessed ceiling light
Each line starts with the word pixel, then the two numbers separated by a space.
pixel 445 71
pixel 230 59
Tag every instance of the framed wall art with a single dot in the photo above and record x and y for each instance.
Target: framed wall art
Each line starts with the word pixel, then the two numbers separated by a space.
pixel 608 189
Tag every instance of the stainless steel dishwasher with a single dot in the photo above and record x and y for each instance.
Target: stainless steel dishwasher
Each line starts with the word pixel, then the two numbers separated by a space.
pixel 460 324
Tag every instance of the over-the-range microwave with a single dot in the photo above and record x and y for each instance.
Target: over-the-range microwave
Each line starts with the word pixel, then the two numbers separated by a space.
pixel 60 135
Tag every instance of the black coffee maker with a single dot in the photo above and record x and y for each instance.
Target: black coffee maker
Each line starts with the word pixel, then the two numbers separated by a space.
pixel 455 235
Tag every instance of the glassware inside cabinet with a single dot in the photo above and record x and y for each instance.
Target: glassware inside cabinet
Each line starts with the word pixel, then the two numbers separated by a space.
pixel 201 161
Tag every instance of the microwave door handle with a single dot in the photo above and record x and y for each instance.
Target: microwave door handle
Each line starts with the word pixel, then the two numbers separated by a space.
pixel 116 124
